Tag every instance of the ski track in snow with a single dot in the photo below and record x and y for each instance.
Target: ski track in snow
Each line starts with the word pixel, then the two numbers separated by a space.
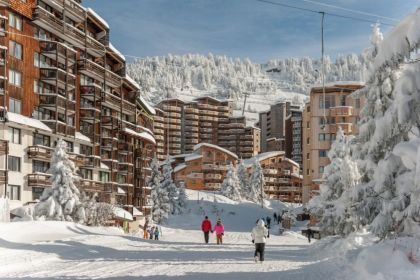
pixel 128 257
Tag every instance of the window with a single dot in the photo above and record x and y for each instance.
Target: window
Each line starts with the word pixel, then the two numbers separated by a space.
pixel 40 33
pixel 321 169
pixel 14 163
pixel 329 101
pixel 307 156
pixel 307 171
pixel 42 140
pixel 15 21
pixel 86 174
pixel 15 105
pixel 13 192
pixel 342 100
pixel 36 59
pixel 103 176
pixel 15 49
pixel 86 150
pixel 307 140
pixel 14 135
pixel 308 125
pixel 69 146
pixel 321 137
pixel 322 153
pixel 40 166
pixel 15 78
pixel 326 120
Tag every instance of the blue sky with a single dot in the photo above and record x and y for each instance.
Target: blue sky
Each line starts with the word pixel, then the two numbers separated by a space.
pixel 240 28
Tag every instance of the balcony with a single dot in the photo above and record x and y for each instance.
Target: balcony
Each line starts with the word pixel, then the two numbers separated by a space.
pixel 57 102
pixel 40 153
pixel 91 115
pixel 214 176
pixel 60 127
pixel 91 186
pixel 169 108
pixel 91 92
pixel 39 180
pixel 4 147
pixel 109 121
pixel 346 127
pixel 58 52
pixel 67 32
pixel 98 72
pixel 57 77
pixel 109 143
pixel 128 107
pixel 111 100
pixel 112 164
pixel 91 161
pixel 73 10
pixel 341 111
pixel 125 167
pixel 3 177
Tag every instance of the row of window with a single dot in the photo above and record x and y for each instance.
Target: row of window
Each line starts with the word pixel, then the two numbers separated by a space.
pixel 330 101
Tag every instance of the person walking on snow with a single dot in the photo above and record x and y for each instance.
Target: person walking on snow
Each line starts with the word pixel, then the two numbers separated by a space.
pixel 156 233
pixel 206 228
pixel 309 233
pixel 145 229
pixel 259 234
pixel 220 231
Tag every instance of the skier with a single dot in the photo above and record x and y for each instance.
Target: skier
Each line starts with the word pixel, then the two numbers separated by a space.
pixel 220 231
pixel 309 233
pixel 259 234
pixel 156 233
pixel 206 228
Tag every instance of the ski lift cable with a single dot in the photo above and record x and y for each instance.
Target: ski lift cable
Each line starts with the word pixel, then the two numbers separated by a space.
pixel 326 13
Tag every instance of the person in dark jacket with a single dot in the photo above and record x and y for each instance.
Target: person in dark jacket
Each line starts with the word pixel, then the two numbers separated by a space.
pixel 268 219
pixel 206 228
pixel 310 234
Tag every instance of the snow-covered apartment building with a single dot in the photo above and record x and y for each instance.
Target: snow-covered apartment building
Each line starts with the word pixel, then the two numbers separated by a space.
pixel 180 126
pixel 62 78
pixel 320 124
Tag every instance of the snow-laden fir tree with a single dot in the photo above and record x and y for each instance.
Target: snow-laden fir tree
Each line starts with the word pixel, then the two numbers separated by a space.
pixel 61 201
pixel 169 186
pixel 389 125
pixel 256 183
pixel 333 206
pixel 243 178
pixel 160 199
pixel 231 186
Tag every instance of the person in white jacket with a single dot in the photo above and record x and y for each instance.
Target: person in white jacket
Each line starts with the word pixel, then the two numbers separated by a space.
pixel 259 234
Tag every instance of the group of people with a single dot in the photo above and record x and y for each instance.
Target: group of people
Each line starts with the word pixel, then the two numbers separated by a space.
pixel 259 234
pixel 219 229
pixel 151 231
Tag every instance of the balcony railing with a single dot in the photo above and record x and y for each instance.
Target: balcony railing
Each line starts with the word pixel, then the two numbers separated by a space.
pixel 56 101
pixel 39 180
pixel 109 121
pixel 98 72
pixel 73 9
pixel 52 75
pixel 91 186
pixel 52 50
pixel 4 147
pixel 90 92
pixel 40 152
pixel 341 111
pixel 3 177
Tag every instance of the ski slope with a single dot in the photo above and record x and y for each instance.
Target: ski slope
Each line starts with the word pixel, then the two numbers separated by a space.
pixel 61 250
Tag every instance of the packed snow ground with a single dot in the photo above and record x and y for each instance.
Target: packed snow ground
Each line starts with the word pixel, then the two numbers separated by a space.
pixel 60 250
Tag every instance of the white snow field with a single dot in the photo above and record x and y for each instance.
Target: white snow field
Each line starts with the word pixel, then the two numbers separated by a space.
pixel 61 250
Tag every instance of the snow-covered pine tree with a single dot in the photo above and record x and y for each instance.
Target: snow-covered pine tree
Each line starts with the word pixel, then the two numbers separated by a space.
pixel 243 178
pixel 333 206
pixel 160 199
pixel 256 182
pixel 61 201
pixel 231 186
pixel 389 122
pixel 169 186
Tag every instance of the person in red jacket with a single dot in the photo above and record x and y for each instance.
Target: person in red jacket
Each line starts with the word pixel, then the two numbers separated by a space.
pixel 206 228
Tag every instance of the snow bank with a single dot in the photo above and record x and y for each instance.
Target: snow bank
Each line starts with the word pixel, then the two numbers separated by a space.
pixel 37 231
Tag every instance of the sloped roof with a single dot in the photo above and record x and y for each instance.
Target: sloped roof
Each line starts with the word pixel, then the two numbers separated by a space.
pixel 263 156
pixel 198 146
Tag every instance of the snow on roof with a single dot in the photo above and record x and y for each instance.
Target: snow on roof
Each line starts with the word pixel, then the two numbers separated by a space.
pixel 122 214
pixel 98 17
pixel 179 167
pixel 143 135
pixel 211 97
pixel 145 129
pixel 292 161
pixel 120 190
pixel 198 146
pixel 117 52
pixel 104 166
pixel 171 99
pixel 137 212
pixel 340 83
pixel 147 106
pixel 192 157
pixel 82 137
pixel 20 119
pixel 3 47
pixel 263 156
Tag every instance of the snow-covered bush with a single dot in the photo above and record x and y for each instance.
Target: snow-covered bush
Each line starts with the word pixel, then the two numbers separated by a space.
pixel 4 210
pixel 231 186
pixel 182 199
pixel 96 213
pixel 243 178
pixel 61 201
